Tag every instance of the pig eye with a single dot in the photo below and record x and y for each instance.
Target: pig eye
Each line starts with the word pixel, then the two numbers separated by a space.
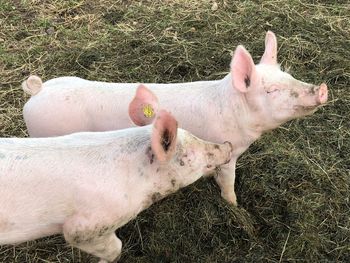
pixel 271 91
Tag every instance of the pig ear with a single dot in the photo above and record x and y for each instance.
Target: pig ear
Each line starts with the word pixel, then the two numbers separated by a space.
pixel 242 69
pixel 143 107
pixel 270 54
pixel 164 136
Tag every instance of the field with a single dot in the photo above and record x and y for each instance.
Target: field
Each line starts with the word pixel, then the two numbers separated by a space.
pixel 293 185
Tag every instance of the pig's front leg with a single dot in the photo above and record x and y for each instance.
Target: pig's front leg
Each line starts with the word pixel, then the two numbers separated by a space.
pixel 225 178
pixel 97 240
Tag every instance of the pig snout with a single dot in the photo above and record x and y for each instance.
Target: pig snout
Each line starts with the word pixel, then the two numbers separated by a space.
pixel 312 96
pixel 315 95
pixel 322 94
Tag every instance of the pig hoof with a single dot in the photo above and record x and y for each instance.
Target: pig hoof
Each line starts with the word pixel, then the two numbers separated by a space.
pixel 230 198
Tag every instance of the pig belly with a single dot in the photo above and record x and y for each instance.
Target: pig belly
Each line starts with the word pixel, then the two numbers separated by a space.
pixel 27 218
pixel 12 233
pixel 31 208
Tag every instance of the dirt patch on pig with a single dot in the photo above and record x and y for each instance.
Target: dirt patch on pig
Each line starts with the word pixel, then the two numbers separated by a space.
pixel 4 224
pixel 155 197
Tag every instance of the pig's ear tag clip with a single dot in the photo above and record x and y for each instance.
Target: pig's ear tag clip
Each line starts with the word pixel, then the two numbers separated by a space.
pixel 148 111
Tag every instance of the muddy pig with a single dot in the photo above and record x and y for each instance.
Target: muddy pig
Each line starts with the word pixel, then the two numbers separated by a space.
pixel 239 108
pixel 86 185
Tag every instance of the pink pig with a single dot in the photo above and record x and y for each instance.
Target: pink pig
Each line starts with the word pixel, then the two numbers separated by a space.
pixel 239 108
pixel 86 185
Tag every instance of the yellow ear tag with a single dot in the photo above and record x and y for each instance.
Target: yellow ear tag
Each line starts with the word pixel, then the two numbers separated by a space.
pixel 148 111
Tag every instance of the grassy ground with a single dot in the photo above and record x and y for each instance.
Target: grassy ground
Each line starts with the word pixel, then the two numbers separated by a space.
pixel 292 185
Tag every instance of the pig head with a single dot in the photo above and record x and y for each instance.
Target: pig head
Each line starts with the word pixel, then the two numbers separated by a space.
pixel 270 96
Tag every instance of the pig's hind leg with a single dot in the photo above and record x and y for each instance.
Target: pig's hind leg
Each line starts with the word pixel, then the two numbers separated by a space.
pixel 98 241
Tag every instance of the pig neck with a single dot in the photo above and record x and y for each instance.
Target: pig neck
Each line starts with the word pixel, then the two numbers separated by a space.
pixel 247 113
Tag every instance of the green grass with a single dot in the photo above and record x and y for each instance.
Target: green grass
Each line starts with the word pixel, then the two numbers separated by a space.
pixel 292 185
